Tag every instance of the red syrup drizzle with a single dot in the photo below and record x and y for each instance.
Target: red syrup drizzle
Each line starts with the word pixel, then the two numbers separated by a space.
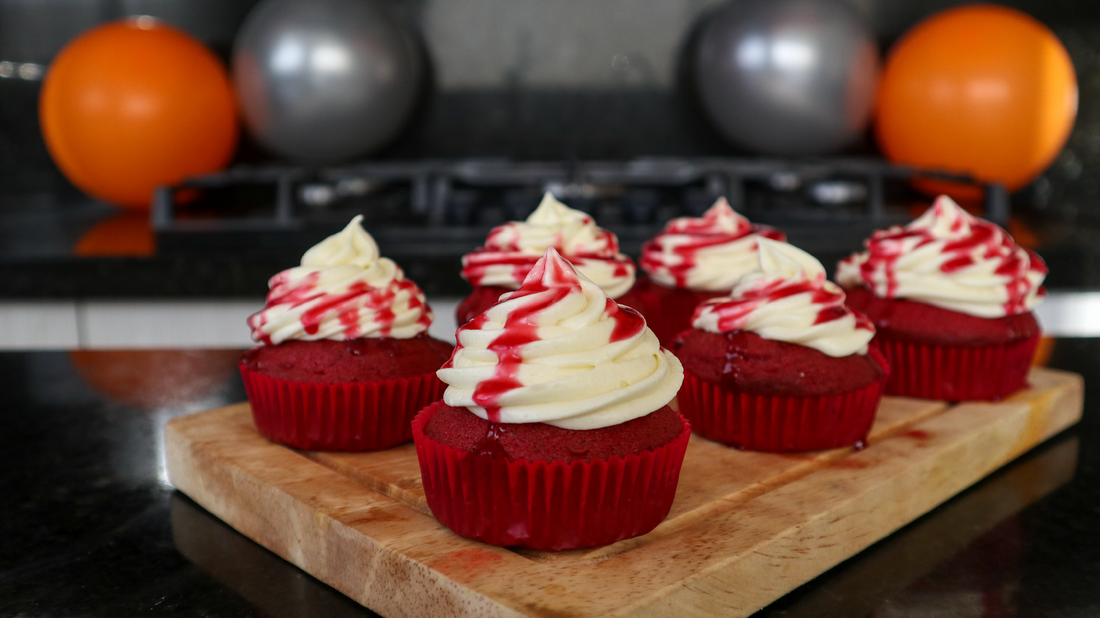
pixel 489 444
pixel 502 249
pixel 706 231
pixel 733 313
pixel 347 305
pixel 283 290
pixel 628 322
pixel 652 251
pixel 312 317
pixel 978 240
pixel 550 280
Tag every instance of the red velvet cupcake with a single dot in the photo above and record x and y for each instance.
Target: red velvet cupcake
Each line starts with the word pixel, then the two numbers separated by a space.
pixel 692 260
pixel 950 296
pixel 512 249
pixel 345 363
pixel 554 432
pixel 781 364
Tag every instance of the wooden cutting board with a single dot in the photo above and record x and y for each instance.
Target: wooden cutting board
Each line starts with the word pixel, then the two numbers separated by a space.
pixel 745 528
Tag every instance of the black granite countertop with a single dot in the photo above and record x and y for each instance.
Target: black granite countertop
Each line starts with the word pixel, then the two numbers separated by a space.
pixel 92 527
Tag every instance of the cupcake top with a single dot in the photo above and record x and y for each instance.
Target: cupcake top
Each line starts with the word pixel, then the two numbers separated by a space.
pixel 512 249
pixel 789 300
pixel 559 351
pixel 342 290
pixel 951 259
pixel 705 254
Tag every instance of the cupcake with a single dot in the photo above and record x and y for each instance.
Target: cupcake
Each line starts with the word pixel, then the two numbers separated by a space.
pixel 781 364
pixel 695 259
pixel 343 362
pixel 512 249
pixel 554 431
pixel 951 297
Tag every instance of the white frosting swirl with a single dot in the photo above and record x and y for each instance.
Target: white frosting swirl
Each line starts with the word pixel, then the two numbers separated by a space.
pixel 789 300
pixel 513 248
pixel 558 351
pixel 706 254
pixel 951 259
pixel 342 290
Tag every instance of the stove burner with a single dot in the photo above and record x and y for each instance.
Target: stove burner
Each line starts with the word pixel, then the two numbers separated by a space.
pixel 433 212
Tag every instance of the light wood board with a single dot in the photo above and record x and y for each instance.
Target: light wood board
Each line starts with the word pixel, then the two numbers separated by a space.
pixel 745 527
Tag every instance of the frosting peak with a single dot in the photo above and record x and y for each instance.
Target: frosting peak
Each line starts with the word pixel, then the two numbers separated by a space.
pixel 952 259
pixel 789 300
pixel 559 351
pixel 779 260
pixel 353 245
pixel 513 248
pixel 342 290
pixel 945 218
pixel 720 218
pixel 709 253
pixel 552 213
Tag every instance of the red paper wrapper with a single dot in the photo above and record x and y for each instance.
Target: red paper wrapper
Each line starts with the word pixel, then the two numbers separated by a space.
pixel 547 505
pixel 956 373
pixel 781 424
pixel 350 416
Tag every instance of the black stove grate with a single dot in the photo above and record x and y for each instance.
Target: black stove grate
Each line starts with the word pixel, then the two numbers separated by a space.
pixel 426 214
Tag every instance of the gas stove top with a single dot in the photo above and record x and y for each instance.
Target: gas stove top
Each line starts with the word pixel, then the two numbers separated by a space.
pixel 427 214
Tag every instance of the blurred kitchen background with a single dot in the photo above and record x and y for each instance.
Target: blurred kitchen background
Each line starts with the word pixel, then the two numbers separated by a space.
pixel 468 110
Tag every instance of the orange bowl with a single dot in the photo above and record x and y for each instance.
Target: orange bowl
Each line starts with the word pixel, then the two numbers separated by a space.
pixel 133 104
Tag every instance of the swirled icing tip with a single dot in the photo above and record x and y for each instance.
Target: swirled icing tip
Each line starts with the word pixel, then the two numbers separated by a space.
pixel 944 217
pixel 710 253
pixel 786 261
pixel 552 271
pixel 788 299
pixel 721 214
pixel 558 350
pixel 720 218
pixel 512 249
pixel 343 290
pixel 552 213
pixel 352 245
pixel 952 259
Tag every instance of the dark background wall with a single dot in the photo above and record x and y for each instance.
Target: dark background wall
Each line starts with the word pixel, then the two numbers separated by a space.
pixel 531 79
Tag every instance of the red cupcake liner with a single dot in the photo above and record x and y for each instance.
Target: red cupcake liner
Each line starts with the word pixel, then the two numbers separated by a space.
pixel 547 505
pixel 781 424
pixel 956 373
pixel 350 416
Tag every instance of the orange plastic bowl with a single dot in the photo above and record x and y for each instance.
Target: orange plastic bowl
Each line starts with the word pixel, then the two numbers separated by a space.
pixel 981 89
pixel 133 104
